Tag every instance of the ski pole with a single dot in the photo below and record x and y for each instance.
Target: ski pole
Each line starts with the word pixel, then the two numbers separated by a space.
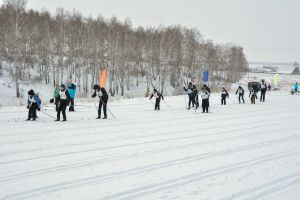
pixel 167 105
pixel 151 101
pixel 108 109
pixel 47 114
pixel 95 105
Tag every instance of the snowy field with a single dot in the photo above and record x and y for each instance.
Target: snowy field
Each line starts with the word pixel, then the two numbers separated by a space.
pixel 234 152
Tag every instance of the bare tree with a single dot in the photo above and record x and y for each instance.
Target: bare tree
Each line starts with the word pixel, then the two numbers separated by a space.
pixel 70 47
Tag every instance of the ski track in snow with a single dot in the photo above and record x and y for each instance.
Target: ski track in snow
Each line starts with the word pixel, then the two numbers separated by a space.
pixel 235 152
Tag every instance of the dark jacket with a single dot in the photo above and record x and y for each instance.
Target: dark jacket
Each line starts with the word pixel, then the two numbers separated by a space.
pixel 240 91
pixel 157 95
pixel 263 87
pixel 102 94
pixel 224 93
pixel 195 90
pixel 207 88
pixel 34 99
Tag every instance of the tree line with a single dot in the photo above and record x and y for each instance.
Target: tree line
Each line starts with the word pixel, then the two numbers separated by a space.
pixel 54 48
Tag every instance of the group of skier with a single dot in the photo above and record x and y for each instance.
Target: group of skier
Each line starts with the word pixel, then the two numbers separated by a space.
pixel 192 93
pixel 65 96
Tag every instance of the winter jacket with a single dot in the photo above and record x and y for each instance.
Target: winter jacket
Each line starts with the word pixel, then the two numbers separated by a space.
pixel 102 94
pixel 72 92
pixel 204 94
pixel 224 94
pixel 263 87
pixel 296 86
pixel 240 91
pixel 56 92
pixel 189 90
pixel 253 94
pixel 64 96
pixel 34 99
pixel 195 90
pixel 157 95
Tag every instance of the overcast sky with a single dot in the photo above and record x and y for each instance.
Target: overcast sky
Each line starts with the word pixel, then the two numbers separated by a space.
pixel 269 30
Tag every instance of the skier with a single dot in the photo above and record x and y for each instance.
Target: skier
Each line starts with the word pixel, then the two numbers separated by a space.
pixel 263 90
pixel 33 104
pixel 63 101
pixel 191 95
pixel 224 95
pixel 158 96
pixel 205 99
pixel 241 93
pixel 296 87
pixel 72 91
pixel 252 96
pixel 103 96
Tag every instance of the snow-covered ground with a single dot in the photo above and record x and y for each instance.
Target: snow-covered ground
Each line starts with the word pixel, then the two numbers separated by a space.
pixel 234 152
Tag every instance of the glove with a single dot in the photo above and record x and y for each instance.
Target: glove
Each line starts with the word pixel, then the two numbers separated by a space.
pixel 28 107
pixel 39 109
pixel 51 100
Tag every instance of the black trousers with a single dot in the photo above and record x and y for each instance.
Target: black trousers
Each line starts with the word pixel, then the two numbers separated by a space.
pixel 157 104
pixel 262 95
pixel 191 100
pixel 62 109
pixel 253 99
pixel 223 100
pixel 205 105
pixel 71 107
pixel 102 103
pixel 241 96
pixel 32 111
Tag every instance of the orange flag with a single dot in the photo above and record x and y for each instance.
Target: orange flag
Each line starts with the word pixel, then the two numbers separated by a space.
pixel 103 78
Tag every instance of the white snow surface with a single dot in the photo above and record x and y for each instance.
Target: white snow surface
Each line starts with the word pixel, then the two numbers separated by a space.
pixel 235 152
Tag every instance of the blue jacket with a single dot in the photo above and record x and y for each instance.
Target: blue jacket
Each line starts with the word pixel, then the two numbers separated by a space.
pixel 35 99
pixel 72 92
pixel 296 86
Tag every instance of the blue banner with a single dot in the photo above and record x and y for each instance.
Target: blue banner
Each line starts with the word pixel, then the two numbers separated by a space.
pixel 205 76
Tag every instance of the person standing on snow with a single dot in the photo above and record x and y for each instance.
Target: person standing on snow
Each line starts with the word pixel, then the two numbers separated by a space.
pixel 205 99
pixel 191 95
pixel 158 96
pixel 224 95
pixel 33 104
pixel 72 91
pixel 103 96
pixel 296 87
pixel 63 101
pixel 263 90
pixel 241 93
pixel 252 96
